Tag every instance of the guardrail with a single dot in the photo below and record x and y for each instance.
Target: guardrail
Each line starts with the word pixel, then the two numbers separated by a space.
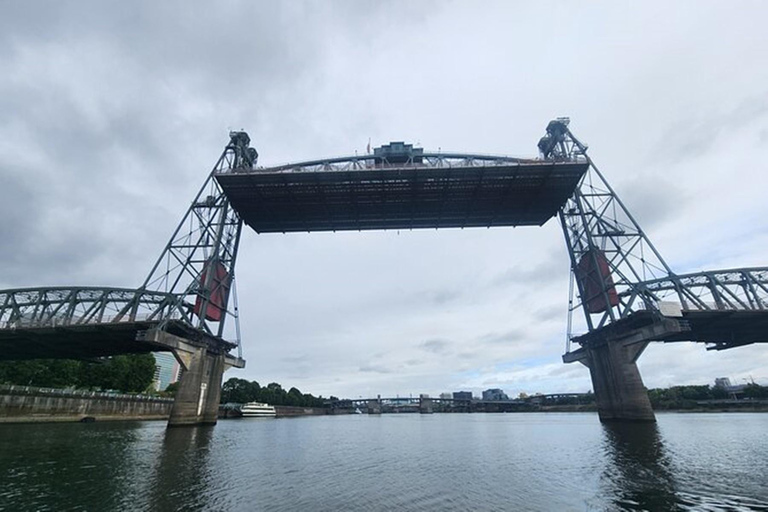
pixel 74 393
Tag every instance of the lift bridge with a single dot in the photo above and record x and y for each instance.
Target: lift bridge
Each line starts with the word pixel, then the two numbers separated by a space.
pixel 622 294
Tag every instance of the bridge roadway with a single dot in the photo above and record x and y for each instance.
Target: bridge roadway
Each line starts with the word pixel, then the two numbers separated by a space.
pixel 427 191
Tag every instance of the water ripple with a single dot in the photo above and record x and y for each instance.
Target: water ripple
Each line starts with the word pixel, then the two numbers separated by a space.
pixel 447 462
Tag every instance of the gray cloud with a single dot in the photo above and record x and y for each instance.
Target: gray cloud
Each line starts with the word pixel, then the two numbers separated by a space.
pixel 435 346
pixel 692 137
pixel 509 337
pixel 553 312
pixel 541 273
pixel 376 368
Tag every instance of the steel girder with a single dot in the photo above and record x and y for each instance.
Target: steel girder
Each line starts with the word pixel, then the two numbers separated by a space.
pixel 424 160
pixel 60 306
pixel 721 290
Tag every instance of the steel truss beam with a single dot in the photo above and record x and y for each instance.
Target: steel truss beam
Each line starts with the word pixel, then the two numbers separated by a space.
pixel 52 307
pixel 423 160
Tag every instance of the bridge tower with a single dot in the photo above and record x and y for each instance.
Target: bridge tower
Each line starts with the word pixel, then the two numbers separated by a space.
pixel 629 296
pixel 197 267
pixel 610 254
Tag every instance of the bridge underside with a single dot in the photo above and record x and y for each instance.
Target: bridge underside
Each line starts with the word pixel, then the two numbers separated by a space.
pixel 510 194
pixel 87 341
pixel 723 329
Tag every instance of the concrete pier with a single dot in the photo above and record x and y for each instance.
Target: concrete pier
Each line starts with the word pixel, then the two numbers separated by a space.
pixel 192 396
pixel 374 406
pixel 619 390
pixel 199 392
pixel 611 355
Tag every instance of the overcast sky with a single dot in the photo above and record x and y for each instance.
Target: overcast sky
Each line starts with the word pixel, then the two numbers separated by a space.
pixel 113 113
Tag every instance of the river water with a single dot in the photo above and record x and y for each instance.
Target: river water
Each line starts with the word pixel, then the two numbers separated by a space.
pixel 445 462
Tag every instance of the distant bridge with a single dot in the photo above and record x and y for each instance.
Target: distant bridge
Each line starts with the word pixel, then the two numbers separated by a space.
pixel 426 404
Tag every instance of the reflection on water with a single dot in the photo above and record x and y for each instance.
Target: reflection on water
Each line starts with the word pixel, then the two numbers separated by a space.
pixel 73 466
pixel 182 476
pixel 638 474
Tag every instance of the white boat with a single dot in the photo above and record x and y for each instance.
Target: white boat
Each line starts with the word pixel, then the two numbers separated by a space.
pixel 257 410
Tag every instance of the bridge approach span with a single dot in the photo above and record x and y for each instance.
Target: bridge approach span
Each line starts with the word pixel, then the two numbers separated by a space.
pixel 90 322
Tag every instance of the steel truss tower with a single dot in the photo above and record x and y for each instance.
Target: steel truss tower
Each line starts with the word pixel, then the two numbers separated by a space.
pixel 615 267
pixel 197 265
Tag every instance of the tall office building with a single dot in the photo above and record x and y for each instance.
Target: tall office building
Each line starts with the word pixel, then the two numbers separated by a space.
pixel 167 370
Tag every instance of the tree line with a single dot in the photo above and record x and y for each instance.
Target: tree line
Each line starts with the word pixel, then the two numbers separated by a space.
pixel 681 397
pixel 241 391
pixel 132 373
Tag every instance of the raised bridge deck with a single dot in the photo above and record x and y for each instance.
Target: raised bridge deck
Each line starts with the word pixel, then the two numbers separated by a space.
pixel 432 191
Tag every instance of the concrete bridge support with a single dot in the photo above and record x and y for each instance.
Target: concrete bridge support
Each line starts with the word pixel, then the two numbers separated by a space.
pixel 425 405
pixel 374 406
pixel 199 392
pixel 619 390
pixel 611 355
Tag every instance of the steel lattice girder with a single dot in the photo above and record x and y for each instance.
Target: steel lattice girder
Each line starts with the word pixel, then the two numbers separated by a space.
pixel 89 322
pixel 436 192
pixel 61 306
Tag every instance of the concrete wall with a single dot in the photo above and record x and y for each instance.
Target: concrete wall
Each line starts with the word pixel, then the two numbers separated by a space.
pixel 23 404
pixel 286 410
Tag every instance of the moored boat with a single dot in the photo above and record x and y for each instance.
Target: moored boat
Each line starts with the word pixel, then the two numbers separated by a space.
pixel 257 410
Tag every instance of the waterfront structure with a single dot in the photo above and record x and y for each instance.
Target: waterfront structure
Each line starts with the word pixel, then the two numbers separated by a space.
pixel 494 394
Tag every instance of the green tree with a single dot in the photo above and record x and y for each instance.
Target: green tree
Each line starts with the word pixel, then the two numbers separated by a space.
pixel 294 398
pixel 171 389
pixel 137 372
pixel 755 391
pixel 239 391
pixel 49 373
pixel 132 373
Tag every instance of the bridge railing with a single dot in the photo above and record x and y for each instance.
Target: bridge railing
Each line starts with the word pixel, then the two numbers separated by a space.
pixel 421 160
pixel 62 306
pixel 729 290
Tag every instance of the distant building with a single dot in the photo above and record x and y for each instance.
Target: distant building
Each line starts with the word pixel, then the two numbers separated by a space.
pixel 494 394
pixel 462 395
pixel 723 382
pixel 167 370
pixel 446 396
pixel 397 153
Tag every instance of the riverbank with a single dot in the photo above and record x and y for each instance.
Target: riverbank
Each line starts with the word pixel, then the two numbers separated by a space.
pixel 27 404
